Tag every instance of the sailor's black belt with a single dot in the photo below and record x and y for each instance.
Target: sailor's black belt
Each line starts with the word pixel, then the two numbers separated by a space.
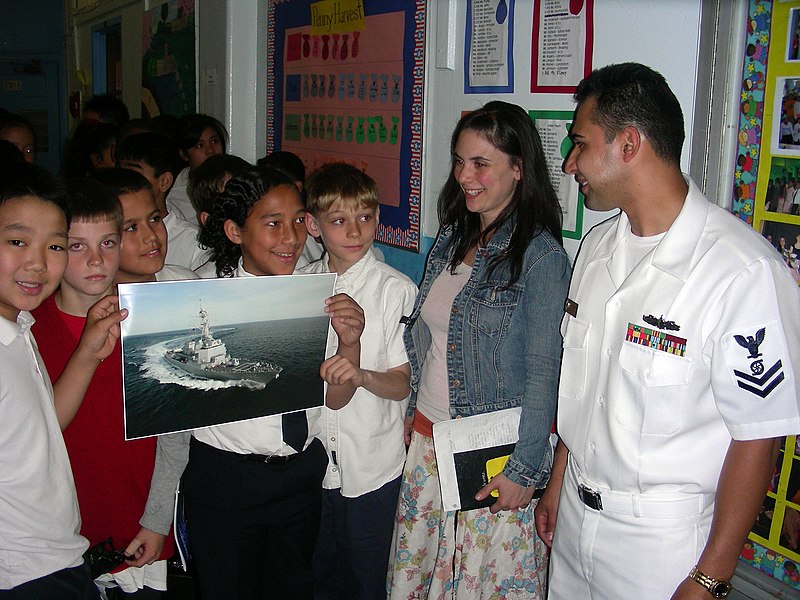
pixel 590 497
pixel 652 505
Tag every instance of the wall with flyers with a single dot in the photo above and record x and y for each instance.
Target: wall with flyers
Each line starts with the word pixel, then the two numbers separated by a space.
pixel 445 95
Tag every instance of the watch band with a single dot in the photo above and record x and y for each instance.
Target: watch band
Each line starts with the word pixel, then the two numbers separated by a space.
pixel 718 588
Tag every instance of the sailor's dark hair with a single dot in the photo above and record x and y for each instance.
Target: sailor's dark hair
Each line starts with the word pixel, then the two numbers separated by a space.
pixel 235 203
pixel 632 94
pixel 25 179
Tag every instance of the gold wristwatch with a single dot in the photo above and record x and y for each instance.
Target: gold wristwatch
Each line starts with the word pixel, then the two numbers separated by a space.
pixel 718 588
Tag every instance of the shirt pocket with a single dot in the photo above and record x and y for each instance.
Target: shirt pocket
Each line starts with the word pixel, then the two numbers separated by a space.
pixel 493 308
pixel 652 392
pixel 573 366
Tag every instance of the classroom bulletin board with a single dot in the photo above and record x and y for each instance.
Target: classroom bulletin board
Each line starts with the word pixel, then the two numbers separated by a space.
pixel 169 65
pixel 770 78
pixel 345 84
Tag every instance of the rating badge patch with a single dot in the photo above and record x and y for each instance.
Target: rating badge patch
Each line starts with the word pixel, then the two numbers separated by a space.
pixel 760 366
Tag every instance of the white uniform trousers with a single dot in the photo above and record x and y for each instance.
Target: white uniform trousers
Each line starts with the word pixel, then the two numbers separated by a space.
pixel 612 554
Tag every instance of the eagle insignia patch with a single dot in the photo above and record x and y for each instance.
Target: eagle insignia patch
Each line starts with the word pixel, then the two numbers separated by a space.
pixel 761 380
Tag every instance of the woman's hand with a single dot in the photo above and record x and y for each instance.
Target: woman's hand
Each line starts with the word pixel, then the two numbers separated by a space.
pixel 512 495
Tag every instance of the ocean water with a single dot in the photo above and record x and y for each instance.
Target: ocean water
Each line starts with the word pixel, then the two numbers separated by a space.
pixel 160 397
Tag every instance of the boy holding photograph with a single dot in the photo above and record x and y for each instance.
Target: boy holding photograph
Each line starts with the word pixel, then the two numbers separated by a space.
pixel 112 476
pixel 362 423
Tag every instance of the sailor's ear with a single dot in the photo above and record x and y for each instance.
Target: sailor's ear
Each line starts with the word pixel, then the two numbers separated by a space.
pixel 232 231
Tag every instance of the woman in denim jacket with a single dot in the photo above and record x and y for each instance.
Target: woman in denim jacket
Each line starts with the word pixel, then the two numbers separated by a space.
pixel 484 336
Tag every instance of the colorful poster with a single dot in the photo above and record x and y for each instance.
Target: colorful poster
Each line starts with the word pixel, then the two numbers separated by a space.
pixel 553 127
pixel 346 81
pixel 563 38
pixel 169 67
pixel 489 47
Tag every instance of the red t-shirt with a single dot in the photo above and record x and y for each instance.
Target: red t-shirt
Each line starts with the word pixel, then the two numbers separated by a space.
pixel 112 476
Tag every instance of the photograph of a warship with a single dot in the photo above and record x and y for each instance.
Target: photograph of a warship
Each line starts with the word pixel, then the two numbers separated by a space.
pixel 207 357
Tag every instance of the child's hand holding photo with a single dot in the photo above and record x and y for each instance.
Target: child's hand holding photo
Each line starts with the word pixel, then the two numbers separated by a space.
pixel 347 319
pixel 102 330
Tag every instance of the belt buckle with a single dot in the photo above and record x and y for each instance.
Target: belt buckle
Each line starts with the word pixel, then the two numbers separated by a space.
pixel 590 497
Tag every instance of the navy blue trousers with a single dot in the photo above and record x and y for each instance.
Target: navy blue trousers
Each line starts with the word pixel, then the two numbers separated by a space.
pixel 67 584
pixel 354 543
pixel 252 526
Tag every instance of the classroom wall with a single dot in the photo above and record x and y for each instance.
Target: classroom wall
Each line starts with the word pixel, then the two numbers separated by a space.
pixel 213 49
pixel 232 74
pixel 664 35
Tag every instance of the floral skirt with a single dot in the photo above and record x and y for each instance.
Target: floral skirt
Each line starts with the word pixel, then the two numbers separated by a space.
pixel 459 555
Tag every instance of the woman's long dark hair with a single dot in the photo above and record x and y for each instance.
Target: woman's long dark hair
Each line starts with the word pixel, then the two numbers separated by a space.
pixel 534 205
pixel 235 203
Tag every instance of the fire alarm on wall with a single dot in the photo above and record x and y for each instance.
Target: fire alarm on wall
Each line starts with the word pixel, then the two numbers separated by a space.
pixel 75 104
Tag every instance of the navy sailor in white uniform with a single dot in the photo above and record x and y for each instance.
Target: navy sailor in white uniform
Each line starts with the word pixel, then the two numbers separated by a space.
pixel 677 380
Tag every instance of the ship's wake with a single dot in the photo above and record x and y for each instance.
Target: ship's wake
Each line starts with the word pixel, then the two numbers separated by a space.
pixel 155 366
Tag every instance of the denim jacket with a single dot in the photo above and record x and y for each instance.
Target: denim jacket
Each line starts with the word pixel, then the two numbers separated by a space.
pixel 504 344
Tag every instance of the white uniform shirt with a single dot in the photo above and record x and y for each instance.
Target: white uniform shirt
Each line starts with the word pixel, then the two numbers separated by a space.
pixel 638 415
pixel 256 436
pixel 366 436
pixel 39 518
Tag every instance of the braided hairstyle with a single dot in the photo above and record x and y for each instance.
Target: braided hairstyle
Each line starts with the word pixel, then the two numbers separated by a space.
pixel 235 203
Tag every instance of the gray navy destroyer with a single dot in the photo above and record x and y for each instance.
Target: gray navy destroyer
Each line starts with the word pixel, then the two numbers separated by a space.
pixel 207 357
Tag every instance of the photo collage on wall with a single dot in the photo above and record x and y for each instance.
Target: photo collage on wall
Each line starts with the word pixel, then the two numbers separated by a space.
pixel 776 201
pixel 766 194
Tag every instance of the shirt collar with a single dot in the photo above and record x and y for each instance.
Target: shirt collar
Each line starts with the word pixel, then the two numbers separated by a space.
pixel 350 278
pixel 674 253
pixel 10 330
pixel 240 272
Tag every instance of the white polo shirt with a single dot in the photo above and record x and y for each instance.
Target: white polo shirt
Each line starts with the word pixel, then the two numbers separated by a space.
pixel 263 435
pixel 182 246
pixel 664 366
pixel 39 518
pixel 364 440
pixel 178 202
